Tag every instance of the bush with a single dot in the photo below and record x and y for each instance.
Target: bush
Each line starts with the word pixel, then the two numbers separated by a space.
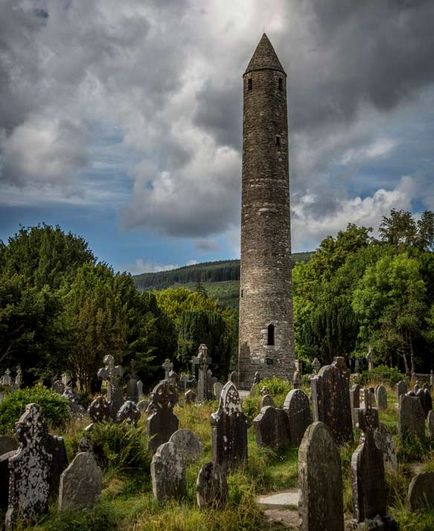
pixel 382 373
pixel 121 447
pixel 54 407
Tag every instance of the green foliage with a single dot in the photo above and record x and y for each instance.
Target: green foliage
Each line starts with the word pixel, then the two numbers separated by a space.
pixel 54 407
pixel 121 448
pixel 383 374
pixel 411 448
pixel 101 518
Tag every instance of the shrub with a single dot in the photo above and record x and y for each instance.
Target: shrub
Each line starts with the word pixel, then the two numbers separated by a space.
pixel 382 373
pixel 121 447
pixel 54 407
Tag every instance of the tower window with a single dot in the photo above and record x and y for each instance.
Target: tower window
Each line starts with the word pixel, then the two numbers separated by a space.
pixel 242 293
pixel 280 83
pixel 270 334
pixel 278 141
pixel 249 84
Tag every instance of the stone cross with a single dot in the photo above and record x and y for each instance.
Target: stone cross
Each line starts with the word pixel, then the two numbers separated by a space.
pixel 167 366
pixel 162 422
pixel 112 374
pixel 6 379
pixel 204 362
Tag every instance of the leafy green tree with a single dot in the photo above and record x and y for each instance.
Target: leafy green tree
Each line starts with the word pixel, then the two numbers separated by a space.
pixel 390 303
pixel 399 228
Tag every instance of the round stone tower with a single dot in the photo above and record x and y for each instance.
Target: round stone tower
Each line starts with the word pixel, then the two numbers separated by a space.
pixel 266 331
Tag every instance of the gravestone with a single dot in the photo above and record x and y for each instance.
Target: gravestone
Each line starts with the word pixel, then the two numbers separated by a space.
pixel 430 421
pixel 217 390
pixel 297 408
pixel 370 358
pixel 129 413
pixel 203 362
pixel 29 469
pixel 421 491
pixel 99 410
pixel 211 486
pixel 384 442
pixel 140 389
pixel 162 422
pixel 272 428
pixel 190 397
pixel 56 447
pixel 331 402
pixel 4 477
pixel 425 399
pixel 319 469
pixel 76 408
pixel 112 374
pixel 168 473
pixel 266 398
pixel 167 366
pixel 7 444
pixel 381 397
pixel 132 390
pixel 174 379
pixel 411 420
pixel 233 377
pixel 297 378
pixel 58 386
pixel 18 378
pixel 187 444
pixel 81 483
pixel 341 364
pixel 354 401
pixel 183 380
pixel 367 467
pixel 316 366
pixel 257 377
pixel 229 429
pixel 401 389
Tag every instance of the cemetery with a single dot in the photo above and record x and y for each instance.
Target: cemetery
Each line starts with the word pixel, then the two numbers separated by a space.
pixel 331 450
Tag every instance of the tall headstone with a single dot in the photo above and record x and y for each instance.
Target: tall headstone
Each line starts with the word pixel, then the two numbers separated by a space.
pixel 217 390
pixel 316 366
pixel 132 390
pixel 29 469
pixel 229 429
pixel 297 408
pixel 370 358
pixel 112 374
pixel 18 378
pixel 411 420
pixel 354 401
pixel 297 378
pixel 331 402
pixel 401 389
pixel 266 331
pixel 204 362
pixel 140 389
pixel 81 483
pixel 367 466
pixel 162 422
pixel 168 473
pixel 426 399
pixel 272 428
pixel 381 397
pixel 320 481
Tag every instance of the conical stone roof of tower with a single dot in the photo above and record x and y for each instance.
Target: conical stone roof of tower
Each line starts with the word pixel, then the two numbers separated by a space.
pixel 264 57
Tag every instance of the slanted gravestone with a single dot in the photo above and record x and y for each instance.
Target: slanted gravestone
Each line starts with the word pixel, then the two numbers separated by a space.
pixel 81 483
pixel 129 413
pixel 430 421
pixel 229 429
pixel 29 469
pixel 331 402
pixel 272 428
pixel 99 410
pixel 381 397
pixel 297 408
pixel 187 444
pixel 112 374
pixel 367 467
pixel 168 473
pixel 320 481
pixel 384 442
pixel 211 486
pixel 217 390
pixel 401 389
pixel 421 492
pixel 411 421
pixel 162 422
pixel 190 397
pixel 7 444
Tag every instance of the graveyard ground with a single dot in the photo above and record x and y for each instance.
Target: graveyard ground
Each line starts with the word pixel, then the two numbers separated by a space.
pixel 127 502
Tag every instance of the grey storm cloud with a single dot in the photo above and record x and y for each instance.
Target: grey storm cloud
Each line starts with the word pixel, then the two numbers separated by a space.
pixel 166 74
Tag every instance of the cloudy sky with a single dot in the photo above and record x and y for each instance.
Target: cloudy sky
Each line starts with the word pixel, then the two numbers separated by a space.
pixel 121 120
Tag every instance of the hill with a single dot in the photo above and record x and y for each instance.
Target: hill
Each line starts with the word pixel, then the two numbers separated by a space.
pixel 220 279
